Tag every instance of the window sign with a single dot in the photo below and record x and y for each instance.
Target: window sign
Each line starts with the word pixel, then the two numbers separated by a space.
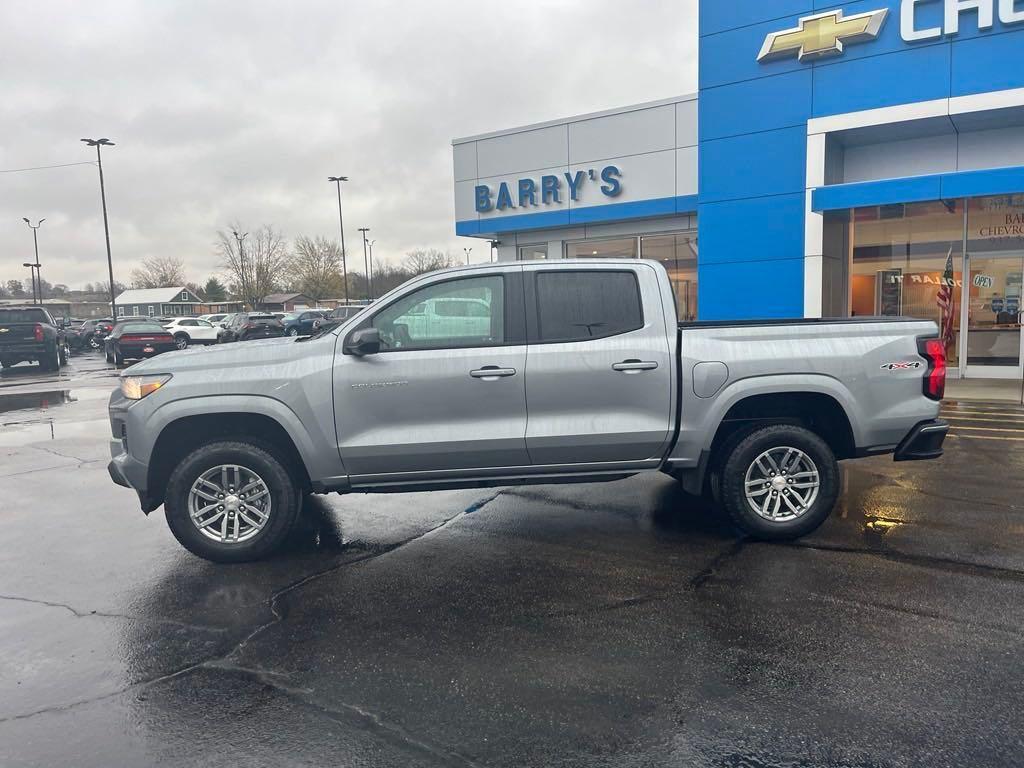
pixel 983 281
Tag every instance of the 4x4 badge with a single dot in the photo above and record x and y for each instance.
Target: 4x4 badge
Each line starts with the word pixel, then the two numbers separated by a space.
pixel 902 366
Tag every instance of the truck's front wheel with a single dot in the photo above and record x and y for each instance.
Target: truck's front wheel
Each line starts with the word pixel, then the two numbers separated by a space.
pixel 780 482
pixel 231 502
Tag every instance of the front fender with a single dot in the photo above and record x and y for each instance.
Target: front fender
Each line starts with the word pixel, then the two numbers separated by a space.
pixel 319 462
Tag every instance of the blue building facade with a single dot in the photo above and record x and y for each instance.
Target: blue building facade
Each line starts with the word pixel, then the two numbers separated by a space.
pixel 840 158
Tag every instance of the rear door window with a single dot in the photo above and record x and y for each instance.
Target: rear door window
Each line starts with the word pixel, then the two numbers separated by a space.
pixel 582 306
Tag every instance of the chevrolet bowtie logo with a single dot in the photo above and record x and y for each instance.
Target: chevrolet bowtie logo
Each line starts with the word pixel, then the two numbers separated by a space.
pixel 823 34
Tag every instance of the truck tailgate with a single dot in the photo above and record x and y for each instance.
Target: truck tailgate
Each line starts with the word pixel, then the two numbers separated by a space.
pixel 17 333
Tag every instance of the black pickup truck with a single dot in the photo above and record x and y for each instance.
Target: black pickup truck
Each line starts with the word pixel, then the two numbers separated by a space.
pixel 30 334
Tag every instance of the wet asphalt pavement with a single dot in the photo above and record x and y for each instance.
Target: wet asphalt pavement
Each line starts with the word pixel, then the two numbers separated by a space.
pixel 601 625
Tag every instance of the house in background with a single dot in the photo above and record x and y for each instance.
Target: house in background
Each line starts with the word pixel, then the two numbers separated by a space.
pixel 285 302
pixel 160 302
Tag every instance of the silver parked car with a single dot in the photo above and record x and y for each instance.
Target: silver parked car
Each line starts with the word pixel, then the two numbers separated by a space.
pixel 575 370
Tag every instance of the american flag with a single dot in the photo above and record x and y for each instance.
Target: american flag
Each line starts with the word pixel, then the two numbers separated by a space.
pixel 944 299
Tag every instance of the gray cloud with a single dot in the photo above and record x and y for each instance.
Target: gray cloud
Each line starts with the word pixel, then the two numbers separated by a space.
pixel 240 110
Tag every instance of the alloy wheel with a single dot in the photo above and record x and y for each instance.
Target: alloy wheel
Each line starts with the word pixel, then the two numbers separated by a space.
pixel 229 503
pixel 782 484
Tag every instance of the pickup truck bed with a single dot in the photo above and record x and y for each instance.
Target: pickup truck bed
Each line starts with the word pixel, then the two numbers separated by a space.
pixel 31 334
pixel 564 371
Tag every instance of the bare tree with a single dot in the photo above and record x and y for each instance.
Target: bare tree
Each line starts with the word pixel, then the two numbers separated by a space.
pixel 159 272
pixel 256 268
pixel 315 267
pixel 427 260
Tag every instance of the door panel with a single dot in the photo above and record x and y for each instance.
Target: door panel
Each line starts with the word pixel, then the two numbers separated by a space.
pixel 605 399
pixel 442 398
pixel 425 411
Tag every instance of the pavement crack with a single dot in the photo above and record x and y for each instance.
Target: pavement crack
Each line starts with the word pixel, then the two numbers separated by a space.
pixel 928 561
pixel 54 452
pixel 372 554
pixel 80 614
pixel 353 715
pixel 716 563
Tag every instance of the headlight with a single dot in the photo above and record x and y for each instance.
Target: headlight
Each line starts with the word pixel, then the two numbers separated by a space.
pixel 137 387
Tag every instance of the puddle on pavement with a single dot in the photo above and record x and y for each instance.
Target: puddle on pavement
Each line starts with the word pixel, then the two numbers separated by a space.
pixel 25 416
pixel 41 401
pixel 26 433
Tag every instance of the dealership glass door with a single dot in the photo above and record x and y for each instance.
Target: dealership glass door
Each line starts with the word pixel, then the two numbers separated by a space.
pixel 995 258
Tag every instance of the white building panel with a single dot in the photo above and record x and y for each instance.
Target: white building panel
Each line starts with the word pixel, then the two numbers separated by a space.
pixel 628 133
pixel 527 150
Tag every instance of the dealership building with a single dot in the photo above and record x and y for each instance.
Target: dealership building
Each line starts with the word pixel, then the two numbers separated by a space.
pixel 839 159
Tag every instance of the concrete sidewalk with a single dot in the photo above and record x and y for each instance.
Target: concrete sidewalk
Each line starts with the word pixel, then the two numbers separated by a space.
pixel 1002 390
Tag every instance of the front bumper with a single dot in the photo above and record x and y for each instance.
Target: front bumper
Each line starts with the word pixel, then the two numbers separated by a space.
pixel 130 473
pixel 923 442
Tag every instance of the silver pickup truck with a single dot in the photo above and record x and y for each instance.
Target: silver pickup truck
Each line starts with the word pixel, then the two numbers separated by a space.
pixel 523 373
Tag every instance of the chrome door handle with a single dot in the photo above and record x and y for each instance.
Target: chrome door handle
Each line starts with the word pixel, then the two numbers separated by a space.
pixel 634 366
pixel 492 373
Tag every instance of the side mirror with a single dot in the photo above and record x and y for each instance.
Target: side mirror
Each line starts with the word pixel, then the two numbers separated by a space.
pixel 62 323
pixel 363 342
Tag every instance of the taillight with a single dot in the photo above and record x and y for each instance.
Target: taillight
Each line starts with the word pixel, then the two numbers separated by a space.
pixel 934 351
pixel 39 332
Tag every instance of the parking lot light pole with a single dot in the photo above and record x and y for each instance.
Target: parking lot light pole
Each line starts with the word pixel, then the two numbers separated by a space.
pixel 494 249
pixel 341 225
pixel 370 243
pixel 468 251
pixel 37 275
pixel 32 272
pixel 106 226
pixel 366 265
pixel 240 239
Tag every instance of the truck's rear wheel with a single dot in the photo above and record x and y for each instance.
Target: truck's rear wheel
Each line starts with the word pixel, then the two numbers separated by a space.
pixel 231 502
pixel 780 482
pixel 52 360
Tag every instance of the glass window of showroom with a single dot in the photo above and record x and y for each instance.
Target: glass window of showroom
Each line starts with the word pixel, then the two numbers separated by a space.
pixel 912 260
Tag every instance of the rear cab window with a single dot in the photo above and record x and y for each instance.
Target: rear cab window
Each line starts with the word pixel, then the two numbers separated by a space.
pixel 574 306
pixel 23 316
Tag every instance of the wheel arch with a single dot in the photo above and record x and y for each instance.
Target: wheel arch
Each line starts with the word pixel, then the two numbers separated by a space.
pixel 821 412
pixel 183 435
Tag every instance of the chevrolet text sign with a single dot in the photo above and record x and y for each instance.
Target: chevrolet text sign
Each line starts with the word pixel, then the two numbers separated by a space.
pixel 828 34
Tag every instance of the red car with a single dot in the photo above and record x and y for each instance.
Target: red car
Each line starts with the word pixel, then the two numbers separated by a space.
pixel 137 339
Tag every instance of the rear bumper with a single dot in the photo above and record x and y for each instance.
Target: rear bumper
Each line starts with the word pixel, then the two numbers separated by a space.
pixel 923 442
pixel 25 351
pixel 138 351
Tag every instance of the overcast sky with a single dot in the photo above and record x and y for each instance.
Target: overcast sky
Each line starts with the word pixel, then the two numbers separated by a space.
pixel 227 111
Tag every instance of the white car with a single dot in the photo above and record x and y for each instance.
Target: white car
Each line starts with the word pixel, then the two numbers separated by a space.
pixel 191 330
pixel 215 319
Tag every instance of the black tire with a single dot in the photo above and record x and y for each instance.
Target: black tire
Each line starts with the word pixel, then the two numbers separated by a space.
pixel 743 455
pixel 283 492
pixel 64 354
pixel 52 360
pixel 117 358
pixel 293 331
pixel 181 340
